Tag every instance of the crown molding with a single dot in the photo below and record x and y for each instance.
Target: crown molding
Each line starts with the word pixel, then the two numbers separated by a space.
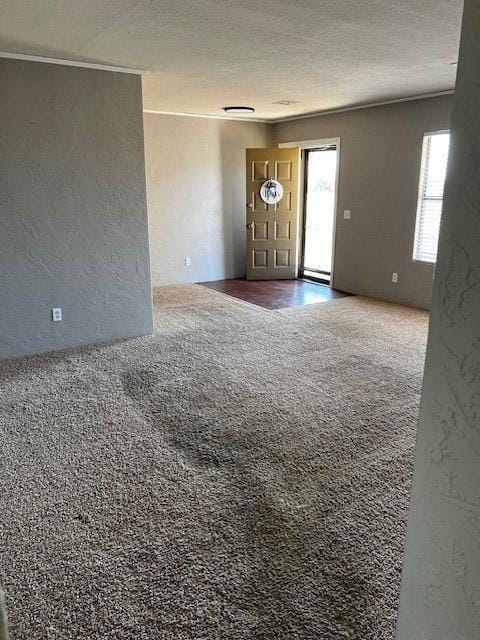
pixel 205 115
pixel 370 105
pixel 305 116
pixel 69 63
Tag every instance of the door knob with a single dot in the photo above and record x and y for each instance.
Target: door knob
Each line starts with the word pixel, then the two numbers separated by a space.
pixel 250 205
pixel 250 225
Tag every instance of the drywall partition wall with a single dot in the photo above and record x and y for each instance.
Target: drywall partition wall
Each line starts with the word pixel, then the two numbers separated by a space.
pixel 381 152
pixel 73 219
pixel 196 195
pixel 440 595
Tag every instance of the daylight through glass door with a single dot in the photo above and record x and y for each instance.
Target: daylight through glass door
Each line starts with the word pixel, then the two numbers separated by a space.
pixel 319 212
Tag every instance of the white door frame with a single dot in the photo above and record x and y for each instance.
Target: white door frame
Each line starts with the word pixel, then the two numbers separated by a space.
pixel 314 144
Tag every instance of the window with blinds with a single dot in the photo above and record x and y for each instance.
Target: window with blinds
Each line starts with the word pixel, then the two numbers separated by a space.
pixel 430 199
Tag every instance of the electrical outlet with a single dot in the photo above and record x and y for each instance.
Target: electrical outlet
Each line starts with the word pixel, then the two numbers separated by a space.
pixel 395 278
pixel 57 314
pixel 188 262
pixel 347 214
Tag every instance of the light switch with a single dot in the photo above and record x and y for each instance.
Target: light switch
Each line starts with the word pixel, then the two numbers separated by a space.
pixel 347 214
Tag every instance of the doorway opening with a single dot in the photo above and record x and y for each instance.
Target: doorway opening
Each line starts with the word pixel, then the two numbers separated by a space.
pixel 319 205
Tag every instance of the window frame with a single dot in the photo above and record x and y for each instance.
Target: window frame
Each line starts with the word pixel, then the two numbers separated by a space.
pixel 421 188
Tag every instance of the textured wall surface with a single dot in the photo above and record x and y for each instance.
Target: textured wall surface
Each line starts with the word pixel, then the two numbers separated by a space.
pixel 441 587
pixel 73 220
pixel 196 195
pixel 381 152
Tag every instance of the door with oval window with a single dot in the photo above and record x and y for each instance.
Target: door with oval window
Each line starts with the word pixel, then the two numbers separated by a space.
pixel 272 213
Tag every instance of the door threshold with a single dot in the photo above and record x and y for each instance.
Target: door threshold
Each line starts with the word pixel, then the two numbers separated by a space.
pixel 313 280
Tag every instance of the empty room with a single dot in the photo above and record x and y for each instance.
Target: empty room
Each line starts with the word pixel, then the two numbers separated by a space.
pixel 239 320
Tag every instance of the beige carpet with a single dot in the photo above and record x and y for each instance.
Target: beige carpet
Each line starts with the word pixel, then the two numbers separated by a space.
pixel 243 473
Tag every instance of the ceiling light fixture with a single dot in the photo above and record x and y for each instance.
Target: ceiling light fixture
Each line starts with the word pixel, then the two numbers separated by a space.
pixel 239 110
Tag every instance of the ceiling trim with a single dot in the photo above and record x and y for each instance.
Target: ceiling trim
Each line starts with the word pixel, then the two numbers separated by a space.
pixel 204 115
pixel 330 112
pixel 304 116
pixel 69 63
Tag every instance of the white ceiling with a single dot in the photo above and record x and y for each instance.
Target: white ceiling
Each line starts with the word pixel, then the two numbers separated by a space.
pixel 201 55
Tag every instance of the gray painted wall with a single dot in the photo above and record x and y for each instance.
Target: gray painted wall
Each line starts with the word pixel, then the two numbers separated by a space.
pixel 381 151
pixel 196 195
pixel 440 596
pixel 73 219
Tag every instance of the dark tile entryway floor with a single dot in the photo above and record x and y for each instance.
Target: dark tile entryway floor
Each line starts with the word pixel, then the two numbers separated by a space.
pixel 276 294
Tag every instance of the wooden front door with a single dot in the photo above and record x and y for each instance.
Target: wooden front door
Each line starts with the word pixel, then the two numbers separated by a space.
pixel 272 229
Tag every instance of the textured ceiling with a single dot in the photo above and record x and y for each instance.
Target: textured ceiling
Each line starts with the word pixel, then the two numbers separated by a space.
pixel 203 54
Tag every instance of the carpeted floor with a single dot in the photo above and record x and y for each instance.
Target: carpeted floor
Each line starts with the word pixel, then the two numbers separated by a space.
pixel 241 474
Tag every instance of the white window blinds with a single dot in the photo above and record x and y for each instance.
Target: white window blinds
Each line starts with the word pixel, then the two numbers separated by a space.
pixel 430 199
